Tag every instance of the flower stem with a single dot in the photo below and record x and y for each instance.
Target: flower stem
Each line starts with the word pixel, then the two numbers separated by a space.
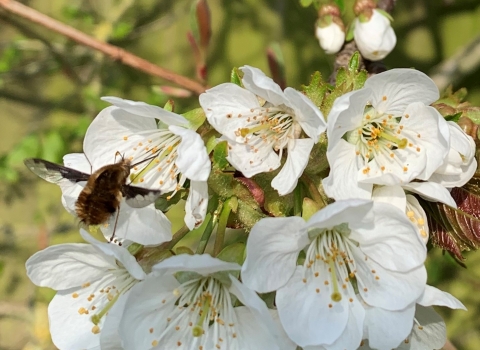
pixel 207 228
pixel 177 236
pixel 229 205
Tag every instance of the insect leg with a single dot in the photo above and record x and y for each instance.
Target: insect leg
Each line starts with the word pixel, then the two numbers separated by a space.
pixel 115 225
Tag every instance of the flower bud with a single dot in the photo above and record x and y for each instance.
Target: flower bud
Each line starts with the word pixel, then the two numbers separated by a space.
pixel 330 30
pixel 374 35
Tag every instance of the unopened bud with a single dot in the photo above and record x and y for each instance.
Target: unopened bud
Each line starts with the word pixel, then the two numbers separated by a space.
pixel 374 35
pixel 330 30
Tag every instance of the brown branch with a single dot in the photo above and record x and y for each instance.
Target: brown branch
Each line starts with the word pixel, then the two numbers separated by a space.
pixel 112 51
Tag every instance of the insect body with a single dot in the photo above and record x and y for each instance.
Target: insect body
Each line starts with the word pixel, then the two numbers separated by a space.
pixel 105 188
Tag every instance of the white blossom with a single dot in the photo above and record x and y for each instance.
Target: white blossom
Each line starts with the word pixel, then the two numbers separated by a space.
pixel 260 121
pixel 91 280
pixel 196 310
pixel 385 134
pixel 174 152
pixel 349 246
pixel 374 36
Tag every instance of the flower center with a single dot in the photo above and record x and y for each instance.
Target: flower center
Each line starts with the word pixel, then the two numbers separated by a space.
pixel 272 125
pixel 101 296
pixel 329 256
pixel 204 314
pixel 379 138
pixel 161 146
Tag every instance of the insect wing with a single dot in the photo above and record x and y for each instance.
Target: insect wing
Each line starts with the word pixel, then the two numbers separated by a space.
pixel 54 173
pixel 138 197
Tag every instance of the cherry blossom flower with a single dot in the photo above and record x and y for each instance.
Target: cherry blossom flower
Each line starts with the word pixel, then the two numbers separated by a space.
pixel 173 152
pixel 260 121
pixel 91 280
pixel 385 134
pixel 351 247
pixel 374 36
pixel 196 309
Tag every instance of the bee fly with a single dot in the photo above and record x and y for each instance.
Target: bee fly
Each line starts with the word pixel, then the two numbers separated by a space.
pixel 104 190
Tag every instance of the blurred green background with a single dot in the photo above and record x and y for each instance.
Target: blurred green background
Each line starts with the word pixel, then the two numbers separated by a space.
pixel 50 89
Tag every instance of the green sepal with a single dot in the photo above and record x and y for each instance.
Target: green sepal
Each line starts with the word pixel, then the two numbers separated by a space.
pixel 134 248
pixel 196 117
pixel 236 77
pixel 349 34
pixel 169 106
pixel 274 204
pixel 220 153
pixel 183 250
pixel 454 117
pixel 233 253
pixel 309 208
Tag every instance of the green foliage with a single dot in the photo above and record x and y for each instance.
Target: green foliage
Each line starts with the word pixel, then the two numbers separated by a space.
pixel 236 76
pixel 220 153
pixel 195 117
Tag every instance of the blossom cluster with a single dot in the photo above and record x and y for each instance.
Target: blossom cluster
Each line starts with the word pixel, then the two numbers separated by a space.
pixel 347 274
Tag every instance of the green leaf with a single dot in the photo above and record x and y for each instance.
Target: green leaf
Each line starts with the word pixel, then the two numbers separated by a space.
pixel 316 89
pixel 121 30
pixel 220 153
pixel 354 63
pixel 454 117
pixel 196 117
pixel 349 34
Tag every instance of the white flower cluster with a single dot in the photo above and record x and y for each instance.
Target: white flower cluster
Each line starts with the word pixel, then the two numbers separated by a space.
pixel 351 276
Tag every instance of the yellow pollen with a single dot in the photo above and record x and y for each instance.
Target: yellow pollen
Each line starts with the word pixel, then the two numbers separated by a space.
pixel 377 278
pixel 85 285
pixel 234 335
pixel 419 135
pixel 82 310
pixel 95 329
pixel 366 170
pixel 177 328
pixel 410 214
pixel 93 307
pixel 179 343
pixel 140 144
pixel 373 271
pixel 316 274
pixel 304 280
pixel 317 290
pixel 421 221
pixel 75 295
pixel 151 330
pixel 330 306
pixel 420 327
pixel 365 289
pixel 418 149
pixel 407 116
pixel 142 179
pixel 423 233
pixel 392 155
pixel 125 138
pixel 367 116
pixel 382 168
pixel 405 168
pixel 384 98
pixel 155 343
pixel 351 300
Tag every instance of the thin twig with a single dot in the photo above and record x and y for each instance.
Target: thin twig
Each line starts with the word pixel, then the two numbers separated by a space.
pixel 465 61
pixel 112 51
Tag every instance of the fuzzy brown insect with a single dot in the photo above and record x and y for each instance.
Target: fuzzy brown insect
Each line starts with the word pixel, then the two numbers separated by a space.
pixel 103 192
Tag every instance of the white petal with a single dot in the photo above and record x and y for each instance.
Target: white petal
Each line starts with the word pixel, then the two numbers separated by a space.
pixel 392 290
pixel 297 159
pixel 67 265
pixel 342 182
pixel 119 253
pixel 387 329
pixel 393 243
pixel 394 195
pixel 147 226
pixel 432 192
pixel 432 135
pixel 257 82
pixel 70 193
pixel 110 335
pixel 461 142
pixel 253 335
pixel 203 264
pixel 346 114
pixel 145 110
pixel 429 333
pixel 226 100
pixel 272 250
pixel 266 326
pixel 145 316
pixel 192 160
pixel 307 114
pixel 434 296
pixel 196 204
pixel 355 212
pixel 70 329
pixel 331 38
pixel 77 161
pixel 305 313
pixel 249 162
pixel 401 87
pixel 105 135
pixel 459 180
